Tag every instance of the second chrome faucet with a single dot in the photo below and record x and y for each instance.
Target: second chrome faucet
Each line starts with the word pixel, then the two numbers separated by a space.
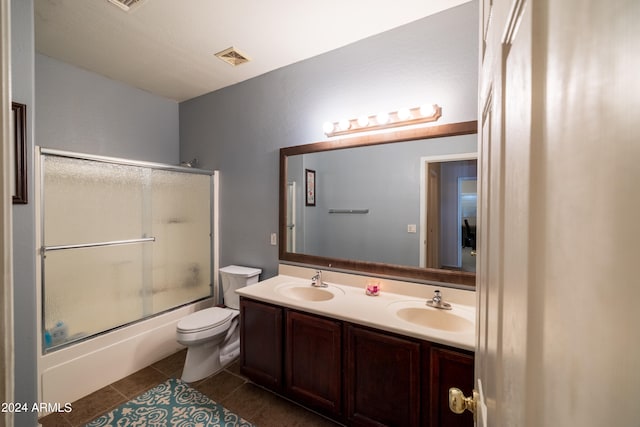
pixel 437 302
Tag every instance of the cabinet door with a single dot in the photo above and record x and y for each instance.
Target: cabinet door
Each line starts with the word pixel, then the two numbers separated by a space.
pixel 382 379
pixel 261 343
pixel 313 361
pixel 448 368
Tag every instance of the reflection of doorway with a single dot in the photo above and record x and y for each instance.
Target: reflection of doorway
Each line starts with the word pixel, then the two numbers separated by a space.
pixel 291 216
pixel 467 215
pixel 447 192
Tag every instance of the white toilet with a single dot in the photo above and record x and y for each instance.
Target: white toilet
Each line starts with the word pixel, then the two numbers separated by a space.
pixel 212 335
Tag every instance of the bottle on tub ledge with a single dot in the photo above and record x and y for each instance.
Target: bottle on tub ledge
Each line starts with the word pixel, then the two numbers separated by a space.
pixel 56 335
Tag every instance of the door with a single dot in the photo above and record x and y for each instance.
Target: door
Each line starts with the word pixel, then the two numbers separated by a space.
pixel 261 349
pixel 432 242
pixel 558 105
pixel 445 368
pixel 6 227
pixel 291 216
pixel 382 379
pixel 503 235
pixel 313 361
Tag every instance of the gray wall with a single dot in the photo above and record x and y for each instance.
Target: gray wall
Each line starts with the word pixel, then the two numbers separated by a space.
pixel 81 111
pixel 24 278
pixel 70 109
pixel 240 129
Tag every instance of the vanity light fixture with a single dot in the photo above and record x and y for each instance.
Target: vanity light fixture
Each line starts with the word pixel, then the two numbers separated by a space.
pixel 344 124
pixel 363 121
pixel 382 118
pixel 404 114
pixel 403 117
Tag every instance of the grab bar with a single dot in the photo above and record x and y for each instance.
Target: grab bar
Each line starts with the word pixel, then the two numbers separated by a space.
pixel 93 245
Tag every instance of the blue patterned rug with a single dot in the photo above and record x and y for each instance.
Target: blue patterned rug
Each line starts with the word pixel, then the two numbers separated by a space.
pixel 171 404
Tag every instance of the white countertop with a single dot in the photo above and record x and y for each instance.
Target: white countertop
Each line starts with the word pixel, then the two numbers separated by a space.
pixel 351 304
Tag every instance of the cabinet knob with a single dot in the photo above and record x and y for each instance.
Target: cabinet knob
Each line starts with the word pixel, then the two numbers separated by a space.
pixel 458 403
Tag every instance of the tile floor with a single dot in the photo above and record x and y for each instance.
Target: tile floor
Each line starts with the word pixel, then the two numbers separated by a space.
pixel 228 387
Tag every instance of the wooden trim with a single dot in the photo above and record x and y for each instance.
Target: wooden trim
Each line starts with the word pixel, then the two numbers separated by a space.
pixel 453 129
pixel 19 112
pixel 392 270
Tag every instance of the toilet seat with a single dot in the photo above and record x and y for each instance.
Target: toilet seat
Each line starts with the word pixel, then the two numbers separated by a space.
pixel 203 320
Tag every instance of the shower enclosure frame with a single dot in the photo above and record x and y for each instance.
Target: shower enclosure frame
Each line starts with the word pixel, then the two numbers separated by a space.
pixel 43 249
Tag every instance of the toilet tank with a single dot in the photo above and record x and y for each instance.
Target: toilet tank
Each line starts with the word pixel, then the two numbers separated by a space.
pixel 235 277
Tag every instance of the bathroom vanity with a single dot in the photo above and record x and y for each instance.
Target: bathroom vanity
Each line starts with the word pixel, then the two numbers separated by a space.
pixel 361 360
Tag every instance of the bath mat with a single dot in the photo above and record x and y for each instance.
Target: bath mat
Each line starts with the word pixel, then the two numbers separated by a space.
pixel 171 404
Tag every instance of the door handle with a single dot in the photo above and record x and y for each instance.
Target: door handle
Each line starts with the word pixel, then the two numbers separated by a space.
pixel 458 403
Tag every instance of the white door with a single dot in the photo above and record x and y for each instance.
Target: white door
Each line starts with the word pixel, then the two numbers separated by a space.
pixel 503 236
pixel 291 216
pixel 6 242
pixel 558 236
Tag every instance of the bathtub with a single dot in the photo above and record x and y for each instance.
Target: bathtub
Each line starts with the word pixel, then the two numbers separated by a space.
pixel 73 372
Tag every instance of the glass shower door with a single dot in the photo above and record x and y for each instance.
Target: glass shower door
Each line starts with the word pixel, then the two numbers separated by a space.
pixel 120 242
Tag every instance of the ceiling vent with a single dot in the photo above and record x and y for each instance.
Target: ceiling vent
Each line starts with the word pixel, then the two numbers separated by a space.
pixel 127 5
pixel 233 56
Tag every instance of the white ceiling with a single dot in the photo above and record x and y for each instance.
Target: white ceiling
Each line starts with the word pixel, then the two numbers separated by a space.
pixel 167 47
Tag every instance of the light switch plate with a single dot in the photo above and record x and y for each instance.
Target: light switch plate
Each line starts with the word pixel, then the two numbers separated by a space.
pixel 411 228
pixel 274 239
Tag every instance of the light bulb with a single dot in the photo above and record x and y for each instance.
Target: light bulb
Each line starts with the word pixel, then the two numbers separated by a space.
pixel 404 113
pixel 382 118
pixel 344 124
pixel 427 110
pixel 363 121
pixel 327 127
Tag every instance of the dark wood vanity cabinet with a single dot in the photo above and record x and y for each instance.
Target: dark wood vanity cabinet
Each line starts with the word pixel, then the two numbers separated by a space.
pixel 444 368
pixel 261 343
pixel 293 353
pixel 382 379
pixel 313 361
pixel 357 375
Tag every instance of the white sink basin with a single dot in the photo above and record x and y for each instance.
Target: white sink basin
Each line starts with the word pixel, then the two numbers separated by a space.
pixel 418 313
pixel 306 292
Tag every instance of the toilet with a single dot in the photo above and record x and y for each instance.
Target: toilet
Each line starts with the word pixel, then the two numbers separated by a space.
pixel 212 336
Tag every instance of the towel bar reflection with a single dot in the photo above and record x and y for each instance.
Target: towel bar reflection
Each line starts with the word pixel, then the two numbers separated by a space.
pixel 348 211
pixel 98 244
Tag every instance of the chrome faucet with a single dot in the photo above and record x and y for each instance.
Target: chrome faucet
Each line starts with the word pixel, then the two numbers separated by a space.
pixel 316 280
pixel 437 302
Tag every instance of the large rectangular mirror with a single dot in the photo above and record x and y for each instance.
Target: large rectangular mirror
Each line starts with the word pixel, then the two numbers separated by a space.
pixel 399 204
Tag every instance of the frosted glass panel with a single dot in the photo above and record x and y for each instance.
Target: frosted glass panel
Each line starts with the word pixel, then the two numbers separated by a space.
pixel 92 290
pixel 87 291
pixel 87 201
pixel 181 207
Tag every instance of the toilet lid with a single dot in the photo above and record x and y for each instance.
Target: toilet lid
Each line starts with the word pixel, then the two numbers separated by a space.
pixel 238 270
pixel 204 319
